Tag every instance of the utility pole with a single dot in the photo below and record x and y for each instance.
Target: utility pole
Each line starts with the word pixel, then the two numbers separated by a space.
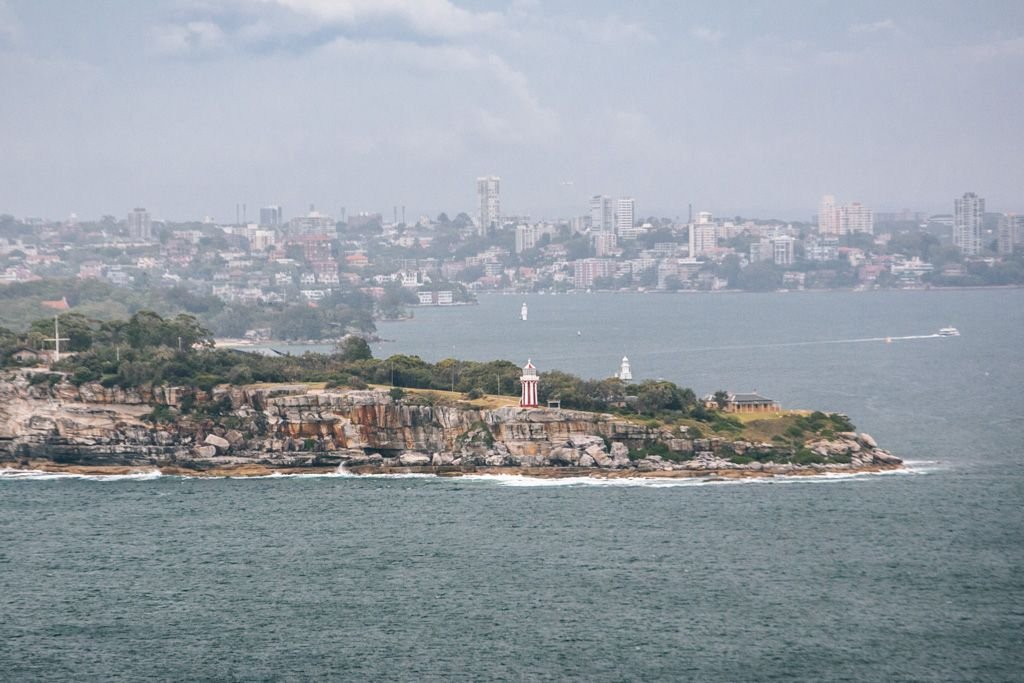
pixel 57 339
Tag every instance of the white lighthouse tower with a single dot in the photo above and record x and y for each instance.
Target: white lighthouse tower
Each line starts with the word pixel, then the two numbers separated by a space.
pixel 529 381
pixel 624 373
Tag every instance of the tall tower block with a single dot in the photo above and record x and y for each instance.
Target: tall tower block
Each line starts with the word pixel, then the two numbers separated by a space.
pixel 529 380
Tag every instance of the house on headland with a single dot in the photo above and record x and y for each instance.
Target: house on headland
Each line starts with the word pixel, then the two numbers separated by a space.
pixel 751 402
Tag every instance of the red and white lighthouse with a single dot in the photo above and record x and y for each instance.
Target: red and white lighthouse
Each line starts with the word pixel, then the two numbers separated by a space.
pixel 529 381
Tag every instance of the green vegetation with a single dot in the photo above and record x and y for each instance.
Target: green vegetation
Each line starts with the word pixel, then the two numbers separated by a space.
pixel 95 301
pixel 148 349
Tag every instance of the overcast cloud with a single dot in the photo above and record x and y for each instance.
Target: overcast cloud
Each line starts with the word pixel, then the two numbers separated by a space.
pixel 188 107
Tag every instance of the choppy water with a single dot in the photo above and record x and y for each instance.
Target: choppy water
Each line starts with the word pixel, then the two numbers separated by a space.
pixel 899 577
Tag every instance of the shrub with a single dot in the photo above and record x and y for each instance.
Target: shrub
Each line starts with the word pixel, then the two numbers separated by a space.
pixel 806 456
pixel 474 394
pixel 396 393
pixel 160 413
pixel 83 375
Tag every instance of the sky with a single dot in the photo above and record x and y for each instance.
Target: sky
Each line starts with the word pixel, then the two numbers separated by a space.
pixel 190 107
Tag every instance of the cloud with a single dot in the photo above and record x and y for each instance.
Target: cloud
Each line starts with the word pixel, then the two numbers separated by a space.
pixel 10 28
pixel 612 30
pixel 881 26
pixel 508 112
pixel 431 18
pixel 1006 48
pixel 193 37
pixel 707 35
pixel 261 26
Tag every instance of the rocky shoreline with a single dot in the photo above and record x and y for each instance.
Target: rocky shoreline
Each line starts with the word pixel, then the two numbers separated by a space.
pixel 259 430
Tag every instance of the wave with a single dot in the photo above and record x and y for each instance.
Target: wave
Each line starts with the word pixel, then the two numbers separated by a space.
pixel 519 480
pixel 43 475
pixel 912 467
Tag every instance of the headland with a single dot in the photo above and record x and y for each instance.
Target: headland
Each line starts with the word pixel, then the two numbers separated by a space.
pixel 256 430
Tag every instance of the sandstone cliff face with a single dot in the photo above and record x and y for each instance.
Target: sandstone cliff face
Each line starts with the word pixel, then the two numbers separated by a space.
pixel 291 426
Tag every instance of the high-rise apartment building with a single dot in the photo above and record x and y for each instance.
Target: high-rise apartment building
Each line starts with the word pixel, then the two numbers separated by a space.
pixel 601 214
pixel 1011 233
pixel 271 216
pixel 967 216
pixel 855 217
pixel 703 238
pixel 314 223
pixel 488 192
pixel 849 218
pixel 139 225
pixel 828 216
pixel 624 218
pixel 526 237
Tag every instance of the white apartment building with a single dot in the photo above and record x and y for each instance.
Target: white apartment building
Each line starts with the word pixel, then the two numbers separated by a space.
pixel 1011 233
pixel 703 238
pixel 601 214
pixel 782 250
pixel 139 225
pixel 625 209
pixel 967 216
pixel 526 237
pixel 488 194
pixel 855 217
pixel 828 216
pixel 313 223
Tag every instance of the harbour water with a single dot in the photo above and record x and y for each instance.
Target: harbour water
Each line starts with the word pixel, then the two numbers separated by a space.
pixel 915 576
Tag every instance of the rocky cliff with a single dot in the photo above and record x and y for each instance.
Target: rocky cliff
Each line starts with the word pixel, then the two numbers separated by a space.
pixel 282 427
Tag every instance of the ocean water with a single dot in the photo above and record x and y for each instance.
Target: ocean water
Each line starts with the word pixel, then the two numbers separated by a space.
pixel 912 576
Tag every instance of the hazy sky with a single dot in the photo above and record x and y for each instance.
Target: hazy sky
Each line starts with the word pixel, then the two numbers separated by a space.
pixel 188 107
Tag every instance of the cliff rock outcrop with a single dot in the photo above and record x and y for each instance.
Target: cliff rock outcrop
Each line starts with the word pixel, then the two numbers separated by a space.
pixel 290 426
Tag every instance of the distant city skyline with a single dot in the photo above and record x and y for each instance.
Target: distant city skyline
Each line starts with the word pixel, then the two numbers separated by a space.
pixel 193 108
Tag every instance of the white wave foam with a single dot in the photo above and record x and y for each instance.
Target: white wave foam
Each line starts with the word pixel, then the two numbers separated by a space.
pixel 43 475
pixel 669 482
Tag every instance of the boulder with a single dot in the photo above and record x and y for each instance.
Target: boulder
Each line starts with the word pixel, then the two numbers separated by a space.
pixel 584 441
pixel 204 451
pixel 586 460
pixel 219 442
pixel 866 440
pixel 439 459
pixel 561 455
pixel 234 437
pixel 414 459
pixel 886 458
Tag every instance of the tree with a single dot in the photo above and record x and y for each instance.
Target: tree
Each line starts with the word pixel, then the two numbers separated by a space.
pixel 654 396
pixel 721 398
pixel 353 348
pixel 759 277
pixel 74 326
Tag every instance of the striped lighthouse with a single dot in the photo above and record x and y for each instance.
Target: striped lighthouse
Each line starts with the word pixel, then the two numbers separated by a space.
pixel 529 381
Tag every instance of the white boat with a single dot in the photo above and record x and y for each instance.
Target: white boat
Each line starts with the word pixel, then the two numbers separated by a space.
pixel 949 332
pixel 523 312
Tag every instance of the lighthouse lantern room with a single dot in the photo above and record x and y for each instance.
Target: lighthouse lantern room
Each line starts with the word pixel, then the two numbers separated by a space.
pixel 529 381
